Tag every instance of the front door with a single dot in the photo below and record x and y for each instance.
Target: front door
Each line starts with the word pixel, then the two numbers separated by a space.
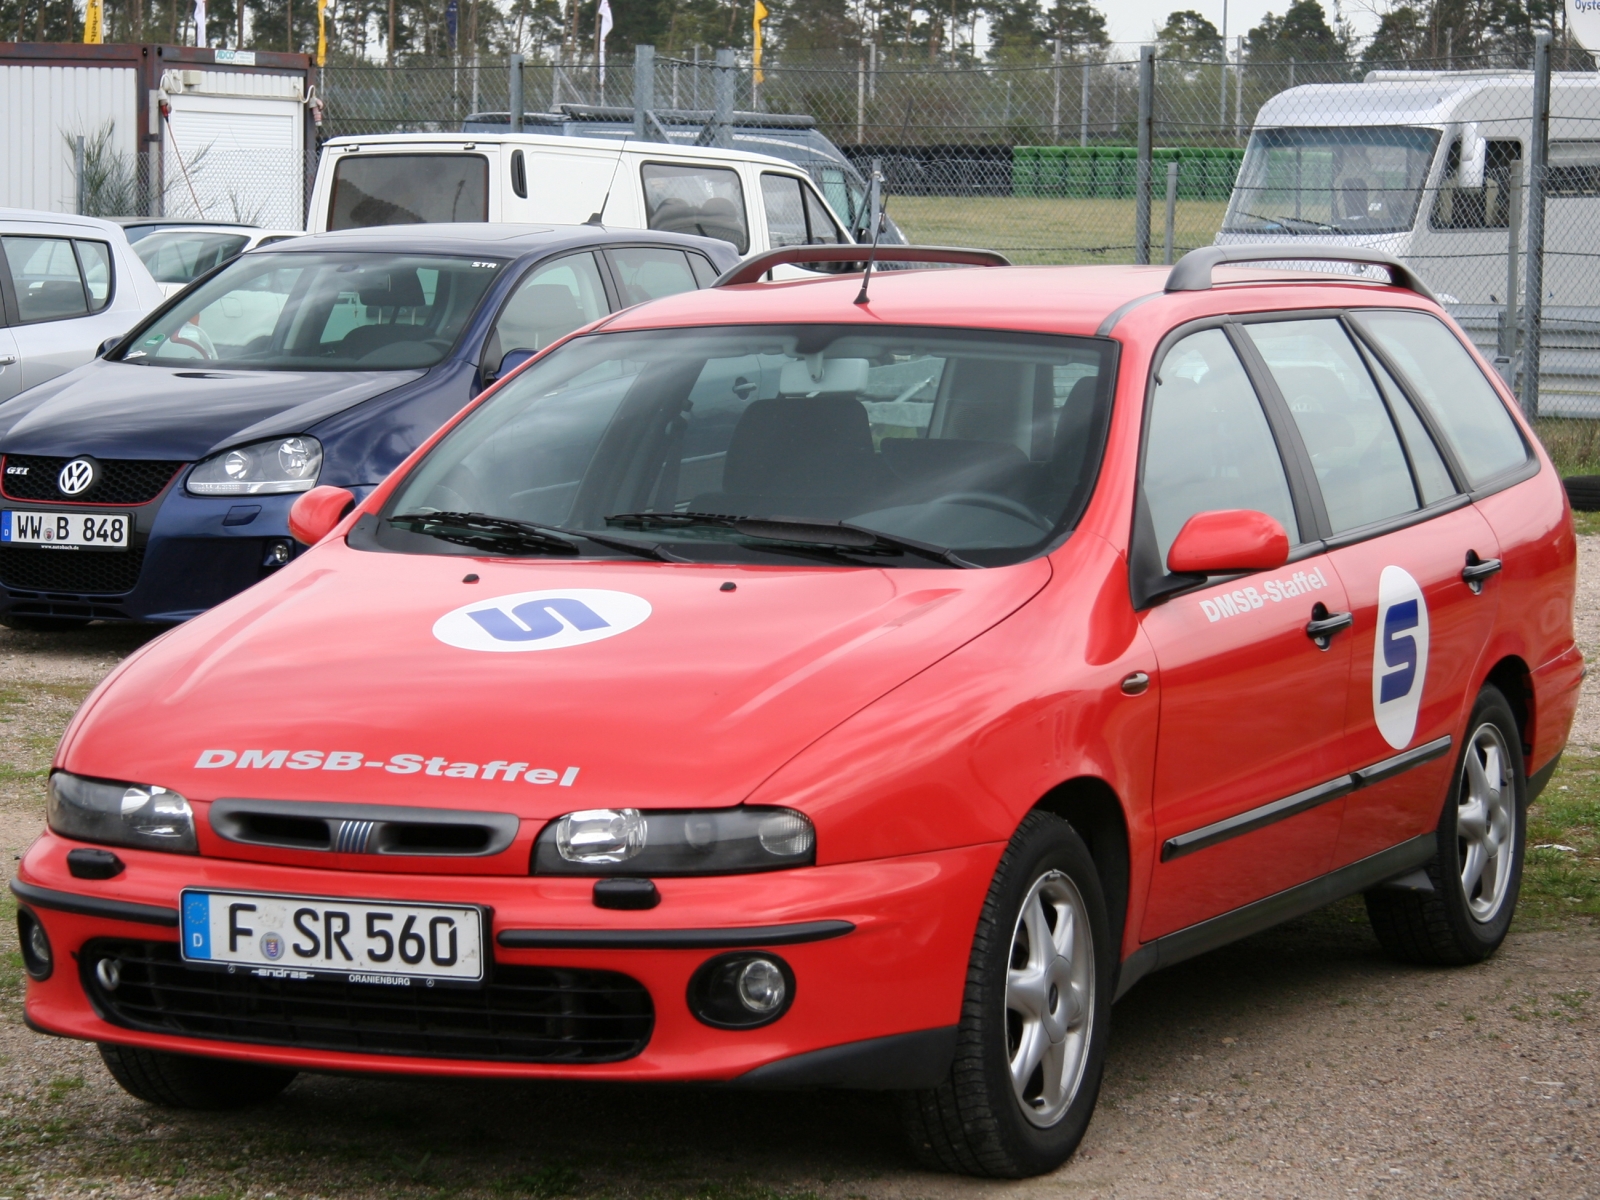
pixel 1246 801
pixel 10 365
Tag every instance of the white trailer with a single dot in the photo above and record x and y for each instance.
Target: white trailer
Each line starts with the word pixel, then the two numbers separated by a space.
pixel 1423 165
pixel 173 131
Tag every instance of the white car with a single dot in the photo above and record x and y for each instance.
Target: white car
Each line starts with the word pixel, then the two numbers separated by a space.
pixel 179 252
pixel 67 284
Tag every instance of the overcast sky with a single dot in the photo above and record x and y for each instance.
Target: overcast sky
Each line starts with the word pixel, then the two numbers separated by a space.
pixel 1136 20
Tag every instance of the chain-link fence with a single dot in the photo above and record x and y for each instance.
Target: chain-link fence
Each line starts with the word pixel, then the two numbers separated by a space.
pixel 1105 159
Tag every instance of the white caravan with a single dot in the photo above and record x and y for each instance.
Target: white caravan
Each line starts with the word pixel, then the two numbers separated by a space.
pixel 753 201
pixel 1418 163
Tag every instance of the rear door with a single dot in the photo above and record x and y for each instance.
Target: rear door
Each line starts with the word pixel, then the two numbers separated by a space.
pixel 1400 534
pixel 1252 709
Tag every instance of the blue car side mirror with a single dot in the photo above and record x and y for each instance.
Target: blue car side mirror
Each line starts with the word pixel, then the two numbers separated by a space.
pixel 513 360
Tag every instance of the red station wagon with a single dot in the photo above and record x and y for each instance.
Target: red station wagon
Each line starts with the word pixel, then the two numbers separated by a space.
pixel 780 686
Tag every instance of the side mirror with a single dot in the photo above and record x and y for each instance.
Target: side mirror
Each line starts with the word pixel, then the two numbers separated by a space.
pixel 105 346
pixel 512 360
pixel 1474 154
pixel 313 516
pixel 1228 541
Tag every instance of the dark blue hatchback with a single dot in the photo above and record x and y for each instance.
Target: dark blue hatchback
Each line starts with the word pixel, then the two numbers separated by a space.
pixel 156 481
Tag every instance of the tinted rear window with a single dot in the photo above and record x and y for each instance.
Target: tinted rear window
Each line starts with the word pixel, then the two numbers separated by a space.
pixel 1443 376
pixel 408 189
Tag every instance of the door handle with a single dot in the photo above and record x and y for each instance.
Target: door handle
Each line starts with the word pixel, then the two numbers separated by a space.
pixel 7 359
pixel 1477 570
pixel 1323 624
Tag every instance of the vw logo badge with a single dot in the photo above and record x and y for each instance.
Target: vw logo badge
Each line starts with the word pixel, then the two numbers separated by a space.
pixel 78 476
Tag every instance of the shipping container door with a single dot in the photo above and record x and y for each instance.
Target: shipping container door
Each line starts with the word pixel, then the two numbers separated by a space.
pixel 236 158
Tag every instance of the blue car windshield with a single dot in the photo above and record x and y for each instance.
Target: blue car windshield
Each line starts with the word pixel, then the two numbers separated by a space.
pixel 319 311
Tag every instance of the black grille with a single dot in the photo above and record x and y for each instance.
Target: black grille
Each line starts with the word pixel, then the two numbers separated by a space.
pixel 79 572
pixel 122 481
pixel 525 1014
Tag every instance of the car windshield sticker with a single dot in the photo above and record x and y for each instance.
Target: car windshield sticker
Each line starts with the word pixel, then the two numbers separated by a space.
pixel 395 764
pixel 1243 600
pixel 1399 656
pixel 541 620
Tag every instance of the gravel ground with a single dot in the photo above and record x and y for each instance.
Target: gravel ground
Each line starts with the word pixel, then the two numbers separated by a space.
pixel 1299 1063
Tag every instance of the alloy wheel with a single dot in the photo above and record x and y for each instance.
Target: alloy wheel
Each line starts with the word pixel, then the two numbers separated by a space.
pixel 1050 981
pixel 1486 822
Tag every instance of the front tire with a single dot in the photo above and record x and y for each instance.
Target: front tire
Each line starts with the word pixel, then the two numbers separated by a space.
pixel 1035 1019
pixel 182 1081
pixel 29 624
pixel 1477 870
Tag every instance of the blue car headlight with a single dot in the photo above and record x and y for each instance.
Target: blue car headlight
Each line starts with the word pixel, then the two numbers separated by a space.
pixel 285 464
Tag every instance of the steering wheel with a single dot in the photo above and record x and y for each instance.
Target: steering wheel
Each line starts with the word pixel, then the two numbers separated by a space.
pixel 1001 504
pixel 193 345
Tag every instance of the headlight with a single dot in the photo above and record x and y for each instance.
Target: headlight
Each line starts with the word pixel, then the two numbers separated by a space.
pixel 628 841
pixel 262 468
pixel 121 814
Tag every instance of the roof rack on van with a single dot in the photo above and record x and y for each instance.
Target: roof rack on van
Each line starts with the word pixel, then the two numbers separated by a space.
pixel 1193 272
pixel 754 267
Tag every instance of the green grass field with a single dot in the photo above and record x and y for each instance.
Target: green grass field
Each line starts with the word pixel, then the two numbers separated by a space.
pixel 1034 230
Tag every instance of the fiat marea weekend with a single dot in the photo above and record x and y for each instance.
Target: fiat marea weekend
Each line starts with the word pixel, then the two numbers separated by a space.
pixel 782 686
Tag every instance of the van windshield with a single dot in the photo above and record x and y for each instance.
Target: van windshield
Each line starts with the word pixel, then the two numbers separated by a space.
pixel 1351 180
pixel 833 444
pixel 319 311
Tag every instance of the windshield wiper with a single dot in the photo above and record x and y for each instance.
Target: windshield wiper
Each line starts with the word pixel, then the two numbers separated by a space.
pixel 834 537
pixel 485 532
pixel 1283 223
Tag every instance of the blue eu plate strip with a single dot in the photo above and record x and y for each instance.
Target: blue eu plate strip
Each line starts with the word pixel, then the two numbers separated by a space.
pixel 196 925
pixel 5 526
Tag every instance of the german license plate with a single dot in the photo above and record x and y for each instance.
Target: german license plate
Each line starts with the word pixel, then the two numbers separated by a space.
pixel 65 531
pixel 358 941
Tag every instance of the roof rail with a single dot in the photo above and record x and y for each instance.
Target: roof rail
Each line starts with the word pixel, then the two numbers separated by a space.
pixel 1193 272
pixel 754 267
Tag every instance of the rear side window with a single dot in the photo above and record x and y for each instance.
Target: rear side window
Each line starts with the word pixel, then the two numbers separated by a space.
pixel 1443 376
pixel 648 273
pixel 52 281
pixel 408 189
pixel 1433 477
pixel 708 201
pixel 1208 445
pixel 1354 446
pixel 550 303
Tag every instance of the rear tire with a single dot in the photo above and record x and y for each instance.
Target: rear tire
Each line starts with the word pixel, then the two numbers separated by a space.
pixel 43 624
pixel 182 1081
pixel 1477 870
pixel 1583 492
pixel 1035 1019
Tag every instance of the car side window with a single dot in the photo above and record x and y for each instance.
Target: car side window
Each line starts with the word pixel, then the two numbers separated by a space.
pixel 1354 447
pixel 796 216
pixel 95 260
pixel 708 201
pixel 820 222
pixel 650 272
pixel 1442 375
pixel 45 275
pixel 1208 445
pixel 549 303
pixel 704 273
pixel 1433 477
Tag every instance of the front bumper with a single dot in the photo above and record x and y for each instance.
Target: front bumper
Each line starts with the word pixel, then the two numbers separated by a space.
pixel 900 971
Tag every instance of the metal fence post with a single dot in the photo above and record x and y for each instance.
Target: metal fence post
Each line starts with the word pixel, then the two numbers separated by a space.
pixel 1238 94
pixel 722 87
pixel 1172 213
pixel 517 104
pixel 77 165
pixel 1055 108
pixel 1508 322
pixel 644 88
pixel 1083 108
pixel 1538 156
pixel 1141 195
pixel 861 97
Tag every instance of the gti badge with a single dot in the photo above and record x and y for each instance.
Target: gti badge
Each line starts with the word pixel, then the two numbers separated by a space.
pixel 1399 656
pixel 78 476
pixel 541 620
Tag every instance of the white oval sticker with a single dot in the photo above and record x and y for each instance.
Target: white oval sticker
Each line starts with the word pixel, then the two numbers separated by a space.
pixel 551 620
pixel 1399 656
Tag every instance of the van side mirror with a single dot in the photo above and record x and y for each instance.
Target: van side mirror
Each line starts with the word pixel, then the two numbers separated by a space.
pixel 313 516
pixel 1227 541
pixel 1474 154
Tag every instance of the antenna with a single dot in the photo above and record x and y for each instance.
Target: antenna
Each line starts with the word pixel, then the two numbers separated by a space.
pixel 596 218
pixel 877 229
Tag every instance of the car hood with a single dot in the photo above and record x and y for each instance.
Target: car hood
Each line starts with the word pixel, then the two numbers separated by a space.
pixel 702 695
pixel 117 410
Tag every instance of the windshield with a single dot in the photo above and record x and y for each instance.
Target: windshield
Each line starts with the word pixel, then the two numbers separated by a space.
pixel 327 311
pixel 754 444
pixel 179 255
pixel 1351 180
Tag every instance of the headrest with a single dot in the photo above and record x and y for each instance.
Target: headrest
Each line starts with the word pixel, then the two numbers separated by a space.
pixel 549 304
pixel 391 289
pixel 814 374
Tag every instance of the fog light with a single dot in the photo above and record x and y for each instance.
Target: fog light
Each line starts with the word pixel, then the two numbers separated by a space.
pixel 741 991
pixel 278 553
pixel 109 972
pixel 37 958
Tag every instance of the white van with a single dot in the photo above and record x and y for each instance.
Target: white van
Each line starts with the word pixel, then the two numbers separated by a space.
pixel 752 201
pixel 1417 163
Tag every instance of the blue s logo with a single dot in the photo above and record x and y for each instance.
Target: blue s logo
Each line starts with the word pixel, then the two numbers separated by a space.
pixel 1399 651
pixel 552 620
